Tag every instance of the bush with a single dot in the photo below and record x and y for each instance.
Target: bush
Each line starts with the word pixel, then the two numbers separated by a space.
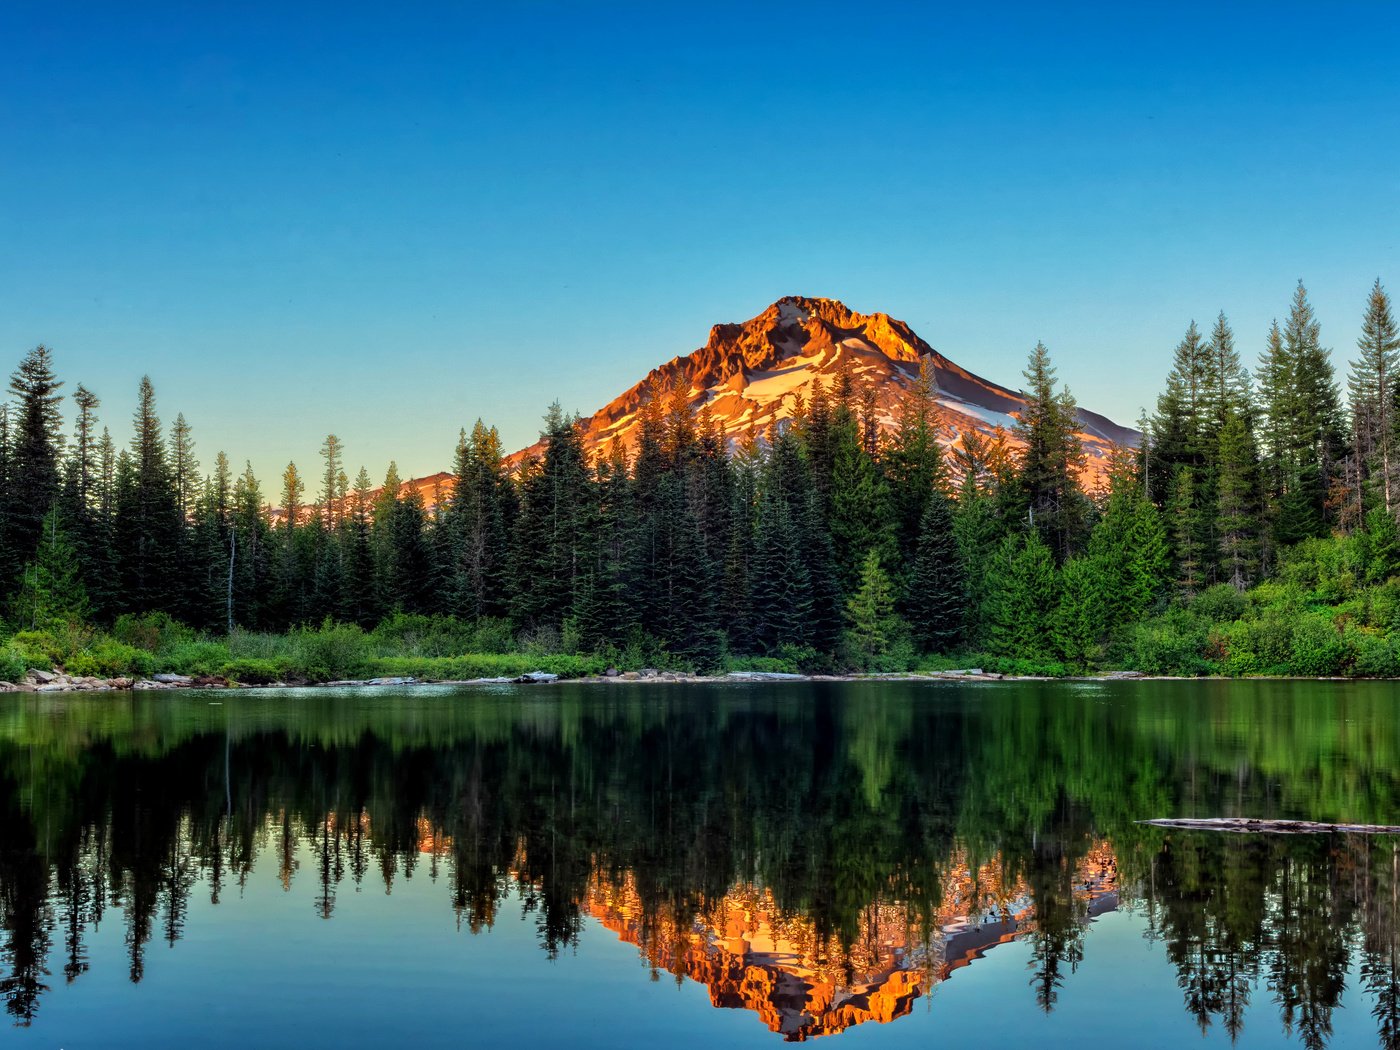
pixel 485 665
pixel 1260 646
pixel 195 658
pixel 1319 648
pixel 333 651
pixel 1377 657
pixel 13 664
pixel 153 632
pixel 38 648
pixel 253 671
pixel 1171 644
pixel 1219 604
pixel 492 635
pixel 403 634
pixel 108 658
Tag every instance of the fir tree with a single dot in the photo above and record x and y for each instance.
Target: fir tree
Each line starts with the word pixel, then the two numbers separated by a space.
pixel 1053 457
pixel 50 587
pixel 874 627
pixel 1237 502
pixel 1374 396
pixel 148 527
pixel 936 602
pixel 1022 594
pixel 32 468
pixel 1079 623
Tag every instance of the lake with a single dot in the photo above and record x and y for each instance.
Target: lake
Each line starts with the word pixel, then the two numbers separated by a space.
pixel 882 864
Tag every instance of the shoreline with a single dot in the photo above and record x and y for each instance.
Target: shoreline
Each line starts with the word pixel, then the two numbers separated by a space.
pixel 57 682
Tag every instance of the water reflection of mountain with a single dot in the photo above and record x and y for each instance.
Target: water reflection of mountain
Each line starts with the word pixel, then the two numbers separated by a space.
pixel 822 863
pixel 751 956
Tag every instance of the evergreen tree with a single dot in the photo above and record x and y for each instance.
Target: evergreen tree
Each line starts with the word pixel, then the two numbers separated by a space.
pixel 1374 395
pixel 1053 458
pixel 1022 596
pixel 1079 623
pixel 32 453
pixel 1184 517
pixel 860 520
pixel 936 601
pixel 976 533
pixel 1303 423
pixel 50 587
pixel 874 627
pixel 914 462
pixel 148 529
pixel 1237 502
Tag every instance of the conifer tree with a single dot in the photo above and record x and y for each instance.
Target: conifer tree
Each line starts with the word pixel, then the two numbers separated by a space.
pixel 1183 513
pixel 936 601
pixel 1053 457
pixel 780 584
pixel 50 587
pixel 914 463
pixel 1375 394
pixel 1303 423
pixel 860 519
pixel 184 466
pixel 1079 622
pixel 1237 502
pixel 976 533
pixel 147 521
pixel 874 627
pixel 32 468
pixel 1022 594
pixel 333 481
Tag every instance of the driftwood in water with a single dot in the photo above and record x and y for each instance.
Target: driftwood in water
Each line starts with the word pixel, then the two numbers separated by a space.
pixel 1272 827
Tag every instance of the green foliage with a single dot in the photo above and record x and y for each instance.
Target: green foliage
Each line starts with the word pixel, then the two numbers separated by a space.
pixel 1219 604
pixel 1172 644
pixel 154 631
pixel 13 664
pixel 201 657
pixel 874 628
pixel 334 650
pixel 108 658
pixel 1319 648
pixel 255 671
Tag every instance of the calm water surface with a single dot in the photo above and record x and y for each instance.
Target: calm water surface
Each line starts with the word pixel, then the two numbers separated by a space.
pixel 879 864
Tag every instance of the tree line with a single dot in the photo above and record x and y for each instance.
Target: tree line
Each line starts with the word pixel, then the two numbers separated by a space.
pixel 826 542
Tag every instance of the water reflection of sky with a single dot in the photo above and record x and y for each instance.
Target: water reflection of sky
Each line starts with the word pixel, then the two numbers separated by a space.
pixel 261 968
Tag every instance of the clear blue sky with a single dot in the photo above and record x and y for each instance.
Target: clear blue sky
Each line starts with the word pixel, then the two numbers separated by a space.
pixel 386 221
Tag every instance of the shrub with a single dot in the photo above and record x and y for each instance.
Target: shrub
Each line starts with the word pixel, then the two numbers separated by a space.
pixel 153 632
pixel 485 665
pixel 491 635
pixel 1171 644
pixel 13 664
pixel 1219 604
pixel 109 657
pixel 1319 648
pixel 252 671
pixel 39 648
pixel 195 658
pixel 413 635
pixel 1377 657
pixel 1263 645
pixel 333 651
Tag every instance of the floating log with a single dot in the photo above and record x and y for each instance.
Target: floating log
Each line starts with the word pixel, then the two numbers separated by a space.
pixel 1271 827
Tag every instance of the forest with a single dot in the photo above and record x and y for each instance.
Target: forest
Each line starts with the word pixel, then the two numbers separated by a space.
pixel 1253 532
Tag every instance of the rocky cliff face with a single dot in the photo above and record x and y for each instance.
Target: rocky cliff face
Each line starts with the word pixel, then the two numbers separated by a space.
pixel 752 375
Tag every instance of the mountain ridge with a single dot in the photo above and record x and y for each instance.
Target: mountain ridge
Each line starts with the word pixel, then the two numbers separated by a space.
pixel 752 374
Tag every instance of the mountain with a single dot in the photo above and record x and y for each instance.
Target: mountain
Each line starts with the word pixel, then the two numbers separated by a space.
pixel 752 375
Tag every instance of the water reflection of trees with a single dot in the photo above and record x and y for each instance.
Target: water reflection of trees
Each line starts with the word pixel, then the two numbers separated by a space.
pixel 835 807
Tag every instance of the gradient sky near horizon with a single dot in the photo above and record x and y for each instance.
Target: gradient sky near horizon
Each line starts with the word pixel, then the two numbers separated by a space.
pixel 386 221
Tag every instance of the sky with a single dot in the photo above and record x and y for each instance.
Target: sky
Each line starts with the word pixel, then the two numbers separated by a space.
pixel 385 221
